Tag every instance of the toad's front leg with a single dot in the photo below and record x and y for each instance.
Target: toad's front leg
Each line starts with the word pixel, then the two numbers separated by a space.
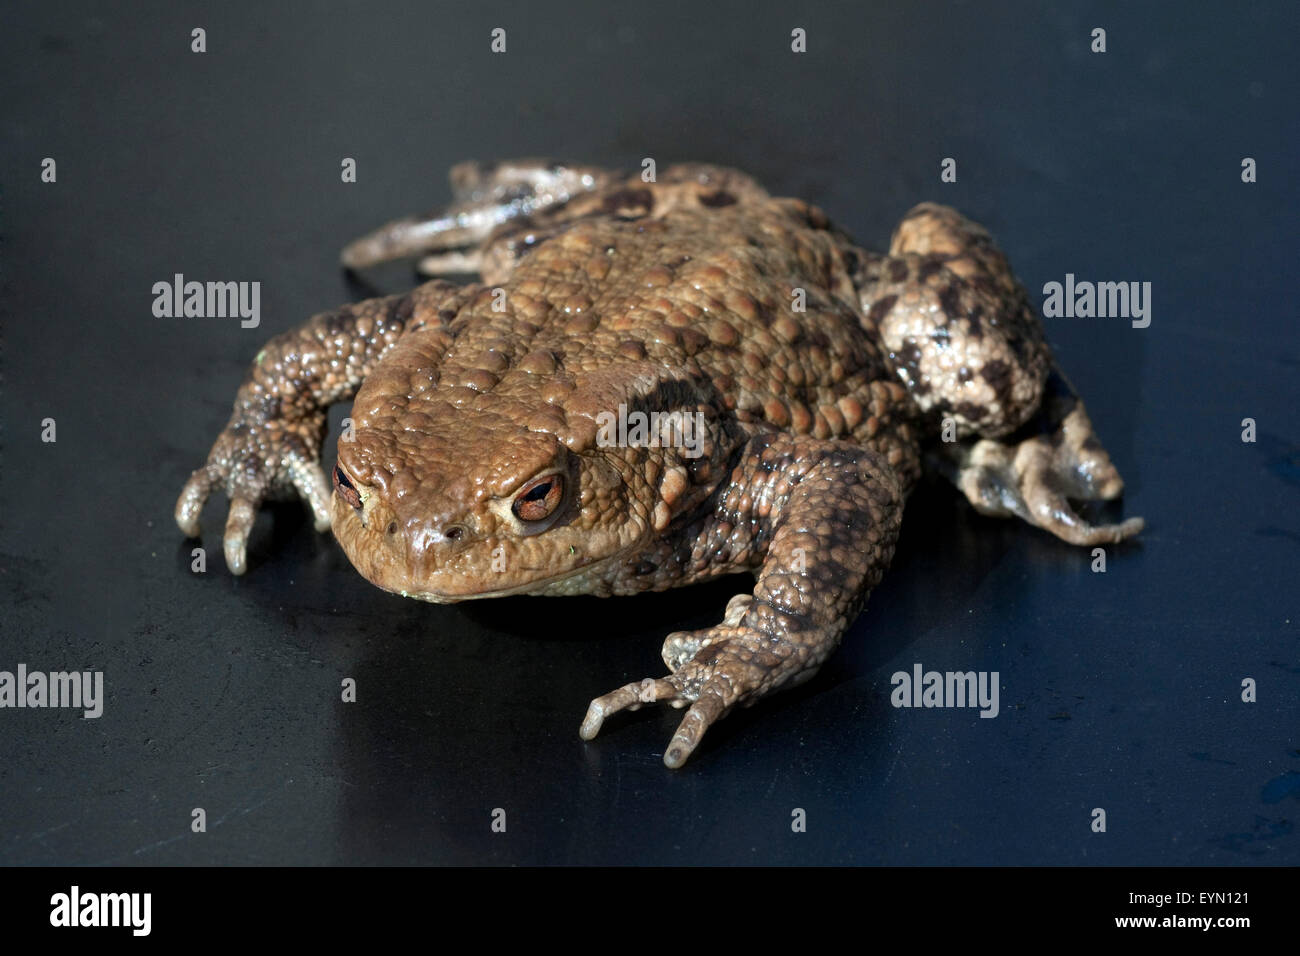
pixel 822 516
pixel 271 446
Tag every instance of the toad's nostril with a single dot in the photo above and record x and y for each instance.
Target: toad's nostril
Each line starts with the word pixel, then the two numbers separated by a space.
pixel 454 533
pixel 392 527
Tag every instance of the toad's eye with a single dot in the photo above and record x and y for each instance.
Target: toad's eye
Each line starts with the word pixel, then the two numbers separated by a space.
pixel 539 498
pixel 345 489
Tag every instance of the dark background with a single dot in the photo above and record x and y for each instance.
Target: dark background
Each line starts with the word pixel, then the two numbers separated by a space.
pixel 1119 690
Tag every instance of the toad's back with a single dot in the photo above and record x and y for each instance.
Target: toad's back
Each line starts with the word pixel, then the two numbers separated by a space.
pixel 754 305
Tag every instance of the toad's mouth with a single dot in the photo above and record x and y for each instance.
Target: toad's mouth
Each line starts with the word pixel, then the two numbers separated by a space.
pixel 532 586
pixel 455 588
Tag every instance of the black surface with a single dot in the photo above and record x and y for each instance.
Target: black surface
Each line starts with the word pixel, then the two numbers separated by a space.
pixel 1119 690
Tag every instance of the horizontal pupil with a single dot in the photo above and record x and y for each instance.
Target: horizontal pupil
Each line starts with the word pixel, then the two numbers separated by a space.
pixel 538 493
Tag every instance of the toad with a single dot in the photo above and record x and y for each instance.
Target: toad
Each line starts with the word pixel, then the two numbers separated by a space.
pixel 498 441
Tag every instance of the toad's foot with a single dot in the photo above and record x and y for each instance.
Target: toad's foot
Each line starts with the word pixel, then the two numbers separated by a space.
pixel 731 665
pixel 255 459
pixel 1036 477
pixel 823 517
pixel 715 669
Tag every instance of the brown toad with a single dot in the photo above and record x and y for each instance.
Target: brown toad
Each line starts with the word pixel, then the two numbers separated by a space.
pixel 791 381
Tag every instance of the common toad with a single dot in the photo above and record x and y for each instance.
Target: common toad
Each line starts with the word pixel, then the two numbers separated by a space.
pixel 799 382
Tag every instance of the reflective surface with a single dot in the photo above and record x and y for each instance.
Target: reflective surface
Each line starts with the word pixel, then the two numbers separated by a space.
pixel 1119 691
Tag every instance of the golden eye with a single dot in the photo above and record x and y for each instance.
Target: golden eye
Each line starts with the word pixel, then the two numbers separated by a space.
pixel 539 498
pixel 345 489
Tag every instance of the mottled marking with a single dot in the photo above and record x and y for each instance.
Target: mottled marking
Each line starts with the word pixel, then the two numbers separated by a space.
pixel 930 266
pixel 998 374
pixel 881 307
pixel 717 199
pixel 630 203
pixel 950 301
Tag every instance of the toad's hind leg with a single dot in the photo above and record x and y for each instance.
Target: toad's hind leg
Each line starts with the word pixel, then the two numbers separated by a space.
pixel 961 333
pixel 957 326
pixel 485 196
pixel 501 211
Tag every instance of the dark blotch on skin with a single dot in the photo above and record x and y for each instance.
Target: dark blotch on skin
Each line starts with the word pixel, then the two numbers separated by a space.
pixel 897 270
pixel 630 203
pixel 930 266
pixel 816 218
pixel 706 654
pixel 950 301
pixel 716 199
pixel 854 262
pixel 970 411
pixel 881 308
pixel 998 374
